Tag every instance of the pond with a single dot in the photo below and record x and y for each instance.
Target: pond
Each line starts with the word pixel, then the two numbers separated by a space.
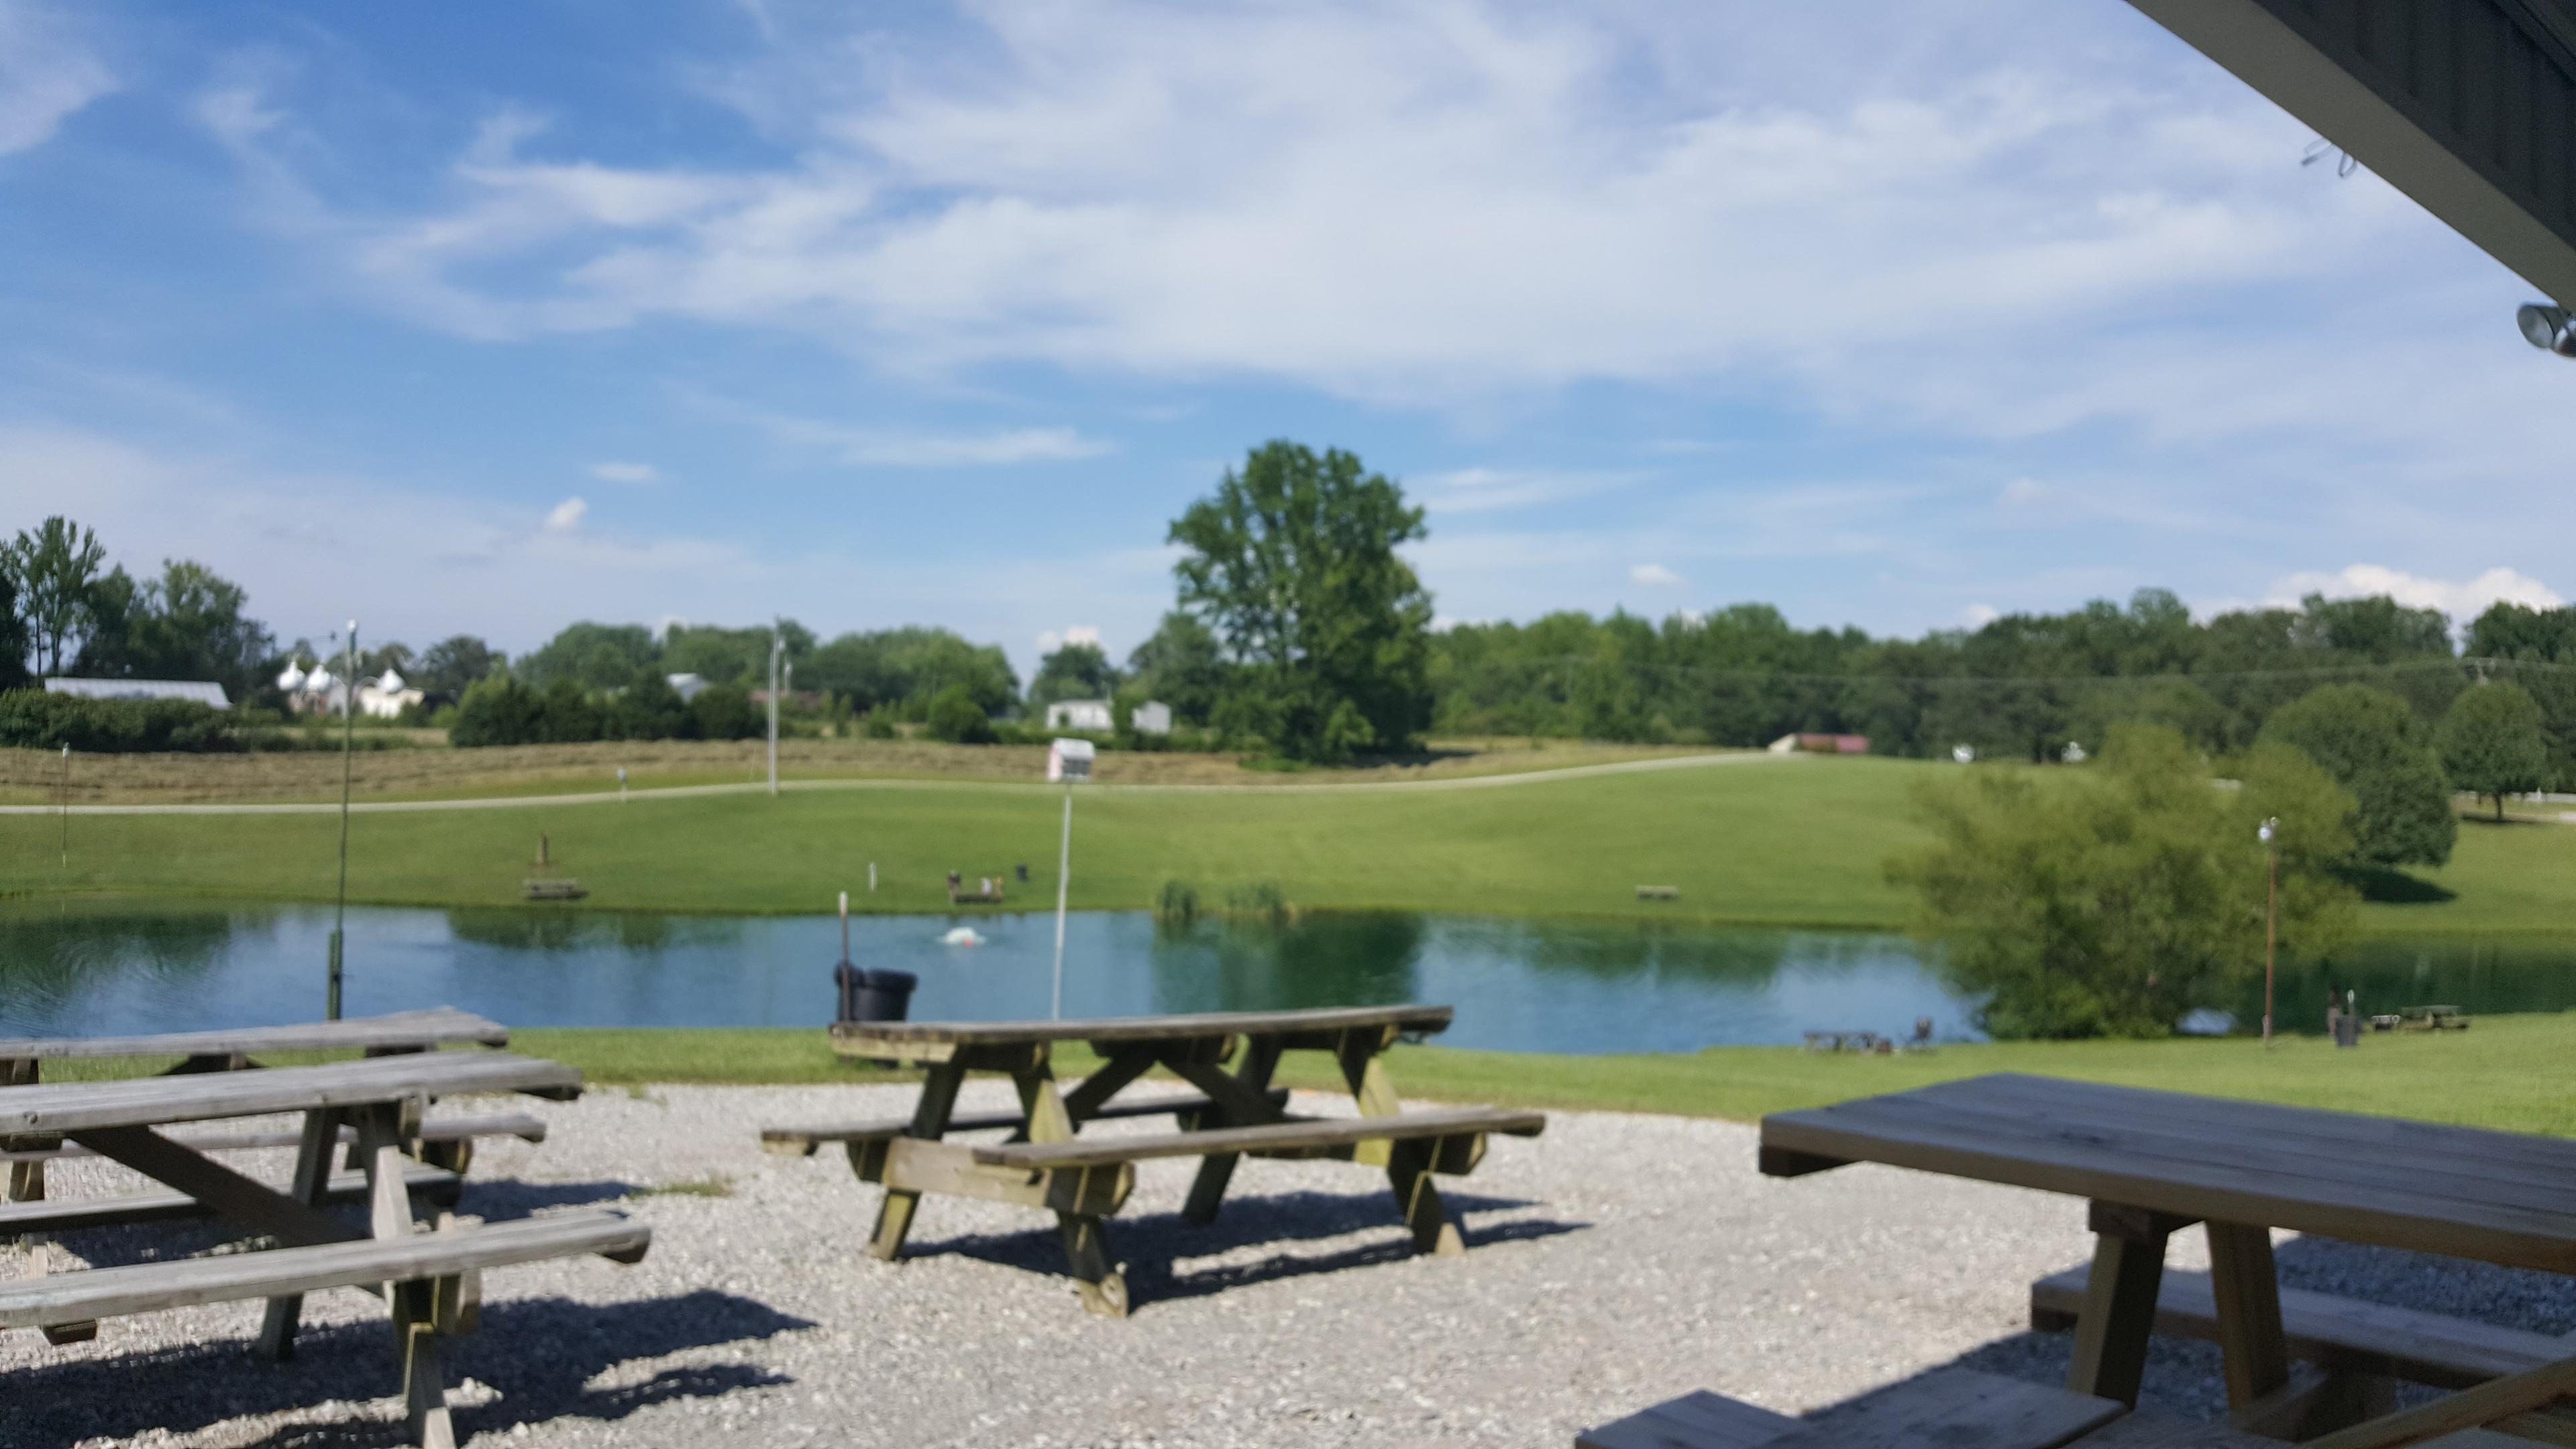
pixel 1586 987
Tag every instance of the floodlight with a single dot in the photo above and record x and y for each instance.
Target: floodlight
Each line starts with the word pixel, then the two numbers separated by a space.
pixel 2548 328
pixel 2267 830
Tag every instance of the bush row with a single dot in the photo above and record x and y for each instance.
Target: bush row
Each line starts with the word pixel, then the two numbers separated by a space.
pixel 35 719
pixel 503 711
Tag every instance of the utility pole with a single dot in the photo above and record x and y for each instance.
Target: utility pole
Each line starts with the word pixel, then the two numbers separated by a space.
pixel 2271 915
pixel 348 750
pixel 776 645
pixel 67 804
pixel 1063 881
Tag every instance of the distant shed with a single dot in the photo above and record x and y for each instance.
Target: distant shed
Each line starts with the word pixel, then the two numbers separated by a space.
pixel 1833 744
pixel 194 691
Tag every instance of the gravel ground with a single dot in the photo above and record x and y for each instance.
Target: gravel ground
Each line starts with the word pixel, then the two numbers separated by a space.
pixel 1615 1261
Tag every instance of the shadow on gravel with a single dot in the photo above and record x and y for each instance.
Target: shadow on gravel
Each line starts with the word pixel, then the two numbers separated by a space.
pixel 537 1353
pixel 1150 1243
pixel 500 1200
pixel 2184 1377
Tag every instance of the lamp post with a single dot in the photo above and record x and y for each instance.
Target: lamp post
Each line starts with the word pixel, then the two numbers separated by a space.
pixel 775 645
pixel 348 748
pixel 2271 914
pixel 1069 761
pixel 67 804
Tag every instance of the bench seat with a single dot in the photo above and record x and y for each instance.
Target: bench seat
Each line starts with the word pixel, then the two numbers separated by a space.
pixel 90 1294
pixel 434 1133
pixel 802 1141
pixel 1954 1408
pixel 50 1216
pixel 1297 1137
pixel 2332 1332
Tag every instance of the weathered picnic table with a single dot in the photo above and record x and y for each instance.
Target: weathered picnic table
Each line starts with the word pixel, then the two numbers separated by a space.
pixel 1235 1113
pixel 2153 1163
pixel 431 1279
pixel 22 1059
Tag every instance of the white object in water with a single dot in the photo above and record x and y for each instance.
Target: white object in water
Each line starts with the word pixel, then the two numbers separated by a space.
pixel 962 936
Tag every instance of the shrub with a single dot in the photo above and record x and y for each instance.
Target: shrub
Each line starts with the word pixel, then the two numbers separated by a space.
pixel 1178 902
pixel 958 719
pixel 725 712
pixel 496 711
pixel 878 725
pixel 35 719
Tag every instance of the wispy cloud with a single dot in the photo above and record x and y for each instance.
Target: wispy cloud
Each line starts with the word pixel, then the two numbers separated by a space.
pixel 626 472
pixel 1655 575
pixel 48 72
pixel 1492 490
pixel 2462 599
pixel 863 445
pixel 566 516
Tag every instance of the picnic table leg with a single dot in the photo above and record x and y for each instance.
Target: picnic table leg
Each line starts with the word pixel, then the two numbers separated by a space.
pixel 929 1121
pixel 1408 1164
pixel 2248 1288
pixel 1207 1190
pixel 2119 1313
pixel 312 1180
pixel 382 1139
pixel 1086 1239
pixel 26 1179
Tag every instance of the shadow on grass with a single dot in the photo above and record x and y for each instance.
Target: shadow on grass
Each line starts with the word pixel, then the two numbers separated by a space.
pixel 538 1353
pixel 1149 1244
pixel 2390 887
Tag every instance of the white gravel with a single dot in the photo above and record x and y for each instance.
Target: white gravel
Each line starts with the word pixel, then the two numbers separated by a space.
pixel 1615 1261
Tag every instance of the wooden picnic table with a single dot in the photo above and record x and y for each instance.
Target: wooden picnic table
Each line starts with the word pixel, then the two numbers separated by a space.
pixel 2154 1162
pixel 22 1059
pixel 383 1098
pixel 1237 1113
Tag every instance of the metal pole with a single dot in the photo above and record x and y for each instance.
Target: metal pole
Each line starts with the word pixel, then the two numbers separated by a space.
pixel 348 748
pixel 67 804
pixel 1063 878
pixel 773 706
pixel 2271 917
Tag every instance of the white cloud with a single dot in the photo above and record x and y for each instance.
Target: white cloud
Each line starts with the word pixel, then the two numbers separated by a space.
pixel 1654 575
pixel 2463 600
pixel 1978 616
pixel 860 445
pixel 47 73
pixel 1051 640
pixel 2022 492
pixel 567 515
pixel 1491 490
pixel 626 472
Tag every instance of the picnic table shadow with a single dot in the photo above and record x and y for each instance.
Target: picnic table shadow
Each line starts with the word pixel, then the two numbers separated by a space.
pixel 1149 1243
pixel 539 1353
pixel 498 1200
pixel 2184 1377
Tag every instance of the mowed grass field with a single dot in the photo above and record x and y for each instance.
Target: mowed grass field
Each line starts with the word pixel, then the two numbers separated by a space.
pixel 2508 1073
pixel 1747 839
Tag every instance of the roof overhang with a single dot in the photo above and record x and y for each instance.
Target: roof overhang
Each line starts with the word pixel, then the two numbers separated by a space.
pixel 2468 106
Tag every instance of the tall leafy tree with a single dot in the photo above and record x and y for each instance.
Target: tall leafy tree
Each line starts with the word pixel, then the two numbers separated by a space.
pixel 1293 562
pixel 596 656
pixel 2492 743
pixel 1182 665
pixel 191 623
pixel 456 662
pixel 56 566
pixel 13 630
pixel 1076 671
pixel 2375 747
pixel 2113 900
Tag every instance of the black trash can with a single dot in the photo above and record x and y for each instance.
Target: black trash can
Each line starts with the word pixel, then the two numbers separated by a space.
pixel 883 995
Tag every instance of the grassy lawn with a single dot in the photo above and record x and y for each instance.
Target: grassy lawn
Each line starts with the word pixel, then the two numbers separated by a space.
pixel 2506 1072
pixel 1756 842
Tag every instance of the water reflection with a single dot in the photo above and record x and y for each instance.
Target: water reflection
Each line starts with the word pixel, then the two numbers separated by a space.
pixel 1518 985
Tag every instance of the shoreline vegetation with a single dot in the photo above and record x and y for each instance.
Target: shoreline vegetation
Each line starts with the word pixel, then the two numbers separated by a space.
pixel 2506 1073
pixel 1747 841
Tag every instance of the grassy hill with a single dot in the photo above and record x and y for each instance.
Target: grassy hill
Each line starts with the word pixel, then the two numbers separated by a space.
pixel 1795 842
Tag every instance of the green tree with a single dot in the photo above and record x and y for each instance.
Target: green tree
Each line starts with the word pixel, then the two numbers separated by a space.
pixel 733 656
pixel 650 709
pixel 56 567
pixel 190 624
pixel 1076 671
pixel 598 656
pixel 2113 900
pixel 906 667
pixel 1293 562
pixel 958 719
pixel 13 630
pixel 456 663
pixel 495 711
pixel 725 712
pixel 2493 744
pixel 1182 665
pixel 2375 747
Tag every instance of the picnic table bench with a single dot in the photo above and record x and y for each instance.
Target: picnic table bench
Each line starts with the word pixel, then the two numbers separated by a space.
pixel 430 1279
pixel 2154 1163
pixel 22 1063
pixel 2432 1018
pixel 1234 1114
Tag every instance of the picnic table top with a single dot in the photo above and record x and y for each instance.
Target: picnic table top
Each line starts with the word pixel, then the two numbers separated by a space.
pixel 436 1027
pixel 2499 1197
pixel 61 1108
pixel 1149 1028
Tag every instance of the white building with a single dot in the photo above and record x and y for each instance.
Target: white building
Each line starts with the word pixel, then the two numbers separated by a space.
pixel 1153 717
pixel 386 695
pixel 1092 715
pixel 686 686
pixel 194 691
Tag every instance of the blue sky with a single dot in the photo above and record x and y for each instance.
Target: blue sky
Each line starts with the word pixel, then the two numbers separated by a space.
pixel 1891 312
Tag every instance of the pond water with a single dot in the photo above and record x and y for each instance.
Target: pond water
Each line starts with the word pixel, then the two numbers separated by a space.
pixel 93 968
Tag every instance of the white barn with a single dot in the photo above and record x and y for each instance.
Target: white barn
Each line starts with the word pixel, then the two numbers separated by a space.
pixel 195 691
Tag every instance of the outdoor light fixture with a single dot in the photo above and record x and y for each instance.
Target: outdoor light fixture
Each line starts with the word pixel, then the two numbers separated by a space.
pixel 2548 328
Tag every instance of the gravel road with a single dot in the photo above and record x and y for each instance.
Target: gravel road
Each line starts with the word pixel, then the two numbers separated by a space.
pixel 1615 1261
